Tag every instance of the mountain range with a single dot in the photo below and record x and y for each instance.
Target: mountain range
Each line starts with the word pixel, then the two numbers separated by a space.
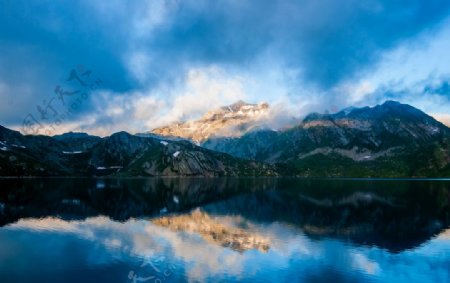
pixel 388 140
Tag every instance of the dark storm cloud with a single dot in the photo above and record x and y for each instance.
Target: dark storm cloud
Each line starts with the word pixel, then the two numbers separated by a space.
pixel 442 88
pixel 328 41
pixel 40 43
pixel 59 35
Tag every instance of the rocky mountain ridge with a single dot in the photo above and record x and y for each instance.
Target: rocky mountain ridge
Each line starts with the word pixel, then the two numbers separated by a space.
pixel 388 140
pixel 231 120
pixel 352 142
pixel 120 154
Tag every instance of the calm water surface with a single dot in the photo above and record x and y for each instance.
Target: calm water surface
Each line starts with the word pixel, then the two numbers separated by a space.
pixel 224 230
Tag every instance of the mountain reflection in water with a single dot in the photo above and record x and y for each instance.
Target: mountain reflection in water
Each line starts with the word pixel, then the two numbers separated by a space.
pixel 224 229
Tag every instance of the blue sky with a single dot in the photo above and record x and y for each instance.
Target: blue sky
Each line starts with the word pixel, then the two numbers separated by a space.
pixel 161 61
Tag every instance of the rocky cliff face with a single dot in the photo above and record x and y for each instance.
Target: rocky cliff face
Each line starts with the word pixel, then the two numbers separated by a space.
pixel 233 120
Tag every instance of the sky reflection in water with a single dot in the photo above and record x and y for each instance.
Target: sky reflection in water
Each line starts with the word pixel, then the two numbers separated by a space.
pixel 97 248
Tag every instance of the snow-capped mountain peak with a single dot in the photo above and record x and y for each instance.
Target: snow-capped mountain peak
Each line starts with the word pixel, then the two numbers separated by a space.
pixel 230 120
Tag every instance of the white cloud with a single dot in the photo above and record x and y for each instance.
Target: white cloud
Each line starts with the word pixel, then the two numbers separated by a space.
pixel 355 92
pixel 153 14
pixel 201 90
pixel 139 65
pixel 362 262
pixel 204 89
pixel 417 59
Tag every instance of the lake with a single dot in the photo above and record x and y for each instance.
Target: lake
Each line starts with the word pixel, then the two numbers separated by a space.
pixel 224 230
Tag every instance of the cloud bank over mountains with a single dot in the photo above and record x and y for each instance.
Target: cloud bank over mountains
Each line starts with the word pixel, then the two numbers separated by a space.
pixel 161 61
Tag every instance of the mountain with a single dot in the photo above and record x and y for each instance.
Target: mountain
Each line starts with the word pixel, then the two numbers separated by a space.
pixel 120 154
pixel 388 140
pixel 77 141
pixel 234 119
